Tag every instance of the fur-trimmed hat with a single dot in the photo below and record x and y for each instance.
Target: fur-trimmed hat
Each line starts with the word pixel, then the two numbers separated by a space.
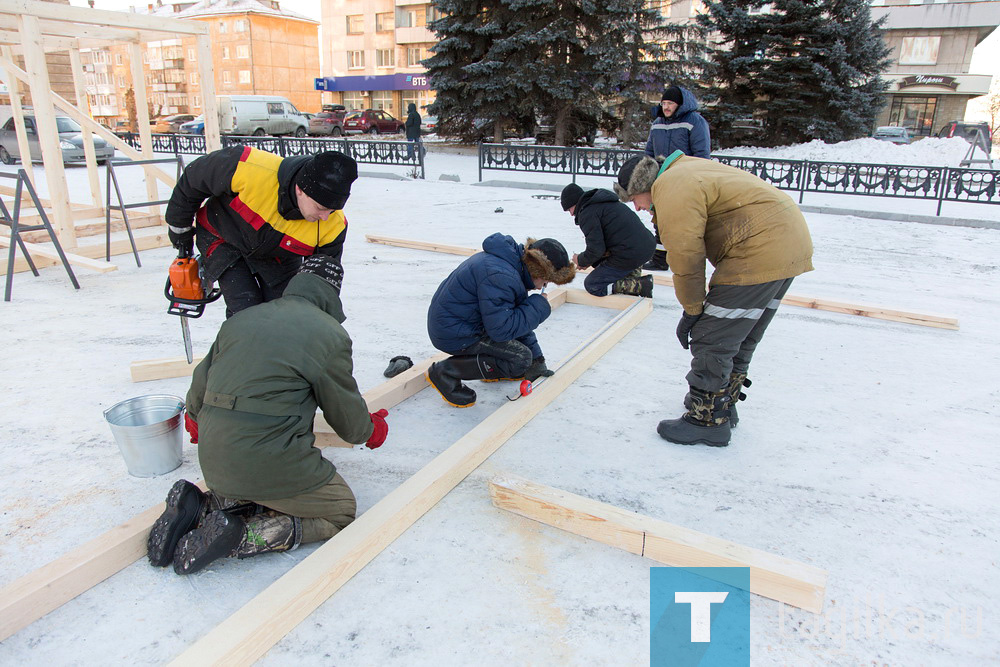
pixel 548 260
pixel 327 178
pixel 636 176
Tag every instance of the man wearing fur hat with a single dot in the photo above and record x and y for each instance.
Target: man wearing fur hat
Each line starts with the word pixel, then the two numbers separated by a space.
pixel 251 412
pixel 484 317
pixel 757 240
pixel 618 244
pixel 257 216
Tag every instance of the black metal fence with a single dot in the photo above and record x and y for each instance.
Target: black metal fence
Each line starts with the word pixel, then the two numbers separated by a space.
pixel 401 153
pixel 941 184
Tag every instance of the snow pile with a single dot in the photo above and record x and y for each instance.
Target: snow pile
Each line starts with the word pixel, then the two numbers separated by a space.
pixel 931 152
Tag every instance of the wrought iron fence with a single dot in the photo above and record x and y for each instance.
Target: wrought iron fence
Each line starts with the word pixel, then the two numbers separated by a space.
pixel 940 184
pixel 401 153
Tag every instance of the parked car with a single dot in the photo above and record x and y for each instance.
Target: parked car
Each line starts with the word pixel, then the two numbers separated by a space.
pixel 581 129
pixel 327 123
pixel 967 131
pixel 892 133
pixel 428 125
pixel 70 141
pixel 258 115
pixel 196 126
pixel 171 124
pixel 372 121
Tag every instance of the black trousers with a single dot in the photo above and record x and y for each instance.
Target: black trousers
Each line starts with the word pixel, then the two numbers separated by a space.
pixel 723 340
pixel 242 288
pixel 511 357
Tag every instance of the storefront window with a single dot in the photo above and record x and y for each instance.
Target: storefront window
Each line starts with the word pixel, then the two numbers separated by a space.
pixel 382 99
pixel 354 101
pixel 914 113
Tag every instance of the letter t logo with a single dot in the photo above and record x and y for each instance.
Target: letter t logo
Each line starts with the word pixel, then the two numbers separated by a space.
pixel 701 612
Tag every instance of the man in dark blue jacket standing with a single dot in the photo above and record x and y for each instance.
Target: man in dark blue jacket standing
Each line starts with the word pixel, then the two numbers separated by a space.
pixel 484 317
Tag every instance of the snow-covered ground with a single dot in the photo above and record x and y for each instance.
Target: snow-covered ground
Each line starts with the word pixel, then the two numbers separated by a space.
pixel 866 447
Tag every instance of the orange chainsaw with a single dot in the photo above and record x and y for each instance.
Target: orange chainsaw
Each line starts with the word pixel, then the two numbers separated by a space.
pixel 186 293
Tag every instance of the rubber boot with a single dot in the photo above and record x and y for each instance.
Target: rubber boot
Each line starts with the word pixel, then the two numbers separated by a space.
pixel 658 262
pixel 736 383
pixel 222 535
pixel 706 421
pixel 185 507
pixel 447 379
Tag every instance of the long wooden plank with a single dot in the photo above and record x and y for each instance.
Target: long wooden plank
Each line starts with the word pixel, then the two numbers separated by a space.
pixel 103 17
pixel 771 576
pixel 251 631
pixel 76 260
pixel 161 369
pixel 875 312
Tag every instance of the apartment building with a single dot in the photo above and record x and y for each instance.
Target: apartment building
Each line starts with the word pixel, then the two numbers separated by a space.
pixel 258 48
pixel 372 51
pixel 929 80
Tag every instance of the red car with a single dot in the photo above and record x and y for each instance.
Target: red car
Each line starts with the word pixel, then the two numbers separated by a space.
pixel 371 121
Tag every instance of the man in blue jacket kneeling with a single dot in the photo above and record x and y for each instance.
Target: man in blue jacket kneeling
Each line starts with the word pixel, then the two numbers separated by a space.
pixel 484 317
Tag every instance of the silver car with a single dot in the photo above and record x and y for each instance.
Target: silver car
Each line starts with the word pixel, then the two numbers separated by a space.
pixel 70 141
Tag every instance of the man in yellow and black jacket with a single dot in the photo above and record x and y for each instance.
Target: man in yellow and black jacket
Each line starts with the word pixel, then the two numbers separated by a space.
pixel 258 215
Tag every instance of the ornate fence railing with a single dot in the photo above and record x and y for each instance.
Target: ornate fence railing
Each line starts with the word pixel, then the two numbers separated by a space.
pixel 941 184
pixel 365 151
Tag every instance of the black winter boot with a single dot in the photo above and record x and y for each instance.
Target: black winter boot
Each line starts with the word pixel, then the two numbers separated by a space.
pixel 185 505
pixel 658 261
pixel 223 534
pixel 446 377
pixel 634 284
pixel 705 422
pixel 736 383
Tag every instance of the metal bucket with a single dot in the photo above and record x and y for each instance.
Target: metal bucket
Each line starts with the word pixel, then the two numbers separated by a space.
pixel 148 432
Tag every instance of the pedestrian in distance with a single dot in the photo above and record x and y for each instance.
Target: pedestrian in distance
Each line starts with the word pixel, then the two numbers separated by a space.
pixel 618 244
pixel 255 216
pixel 757 240
pixel 250 409
pixel 413 137
pixel 677 126
pixel 483 315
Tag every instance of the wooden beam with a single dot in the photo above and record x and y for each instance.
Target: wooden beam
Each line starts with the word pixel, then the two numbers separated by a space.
pixel 875 312
pixel 142 118
pixel 771 576
pixel 161 369
pixel 64 30
pixel 90 156
pixel 119 247
pixel 100 17
pixel 74 259
pixel 209 103
pixel 251 631
pixel 14 93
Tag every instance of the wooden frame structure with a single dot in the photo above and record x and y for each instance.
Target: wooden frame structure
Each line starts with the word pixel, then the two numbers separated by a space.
pixel 30 28
pixel 284 604
pixel 775 577
pixel 875 312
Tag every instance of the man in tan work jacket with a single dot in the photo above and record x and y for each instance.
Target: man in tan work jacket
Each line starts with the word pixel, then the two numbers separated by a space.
pixel 757 240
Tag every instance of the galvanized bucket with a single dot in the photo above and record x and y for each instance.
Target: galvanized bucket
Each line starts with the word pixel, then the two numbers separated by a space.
pixel 148 432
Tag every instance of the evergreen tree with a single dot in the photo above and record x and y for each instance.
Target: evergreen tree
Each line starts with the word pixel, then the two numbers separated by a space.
pixel 806 69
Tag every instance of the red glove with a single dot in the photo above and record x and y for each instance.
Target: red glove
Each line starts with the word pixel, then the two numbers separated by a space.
pixel 191 426
pixel 381 429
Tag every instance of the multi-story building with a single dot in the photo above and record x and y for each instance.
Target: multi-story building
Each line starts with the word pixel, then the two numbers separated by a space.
pixel 372 51
pixel 929 80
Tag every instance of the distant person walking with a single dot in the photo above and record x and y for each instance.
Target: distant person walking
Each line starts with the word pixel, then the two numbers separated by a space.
pixel 413 131
pixel 677 126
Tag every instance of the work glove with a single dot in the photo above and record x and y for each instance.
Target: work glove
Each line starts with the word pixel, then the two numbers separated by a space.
pixel 380 431
pixel 537 369
pixel 684 328
pixel 191 426
pixel 183 241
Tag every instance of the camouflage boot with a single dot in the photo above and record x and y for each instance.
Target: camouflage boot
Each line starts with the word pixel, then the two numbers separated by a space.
pixel 634 284
pixel 706 420
pixel 223 534
pixel 736 383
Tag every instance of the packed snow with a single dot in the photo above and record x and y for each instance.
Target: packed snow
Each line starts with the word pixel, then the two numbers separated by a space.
pixel 866 447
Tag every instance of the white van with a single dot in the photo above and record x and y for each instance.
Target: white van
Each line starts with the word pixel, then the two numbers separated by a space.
pixel 257 115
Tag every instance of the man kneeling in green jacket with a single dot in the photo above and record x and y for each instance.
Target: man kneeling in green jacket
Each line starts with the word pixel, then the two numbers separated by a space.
pixel 252 402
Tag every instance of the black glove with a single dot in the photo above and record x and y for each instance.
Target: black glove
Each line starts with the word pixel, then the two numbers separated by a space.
pixel 184 241
pixel 537 369
pixel 684 328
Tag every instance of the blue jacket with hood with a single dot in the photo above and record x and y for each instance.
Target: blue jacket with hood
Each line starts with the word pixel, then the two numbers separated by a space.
pixel 685 131
pixel 487 295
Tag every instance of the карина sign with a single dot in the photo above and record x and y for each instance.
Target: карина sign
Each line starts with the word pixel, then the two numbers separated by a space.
pixel 929 80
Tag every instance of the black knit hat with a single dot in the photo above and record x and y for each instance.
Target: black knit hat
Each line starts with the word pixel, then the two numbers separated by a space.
pixel 570 196
pixel 327 178
pixel 674 94
pixel 325 267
